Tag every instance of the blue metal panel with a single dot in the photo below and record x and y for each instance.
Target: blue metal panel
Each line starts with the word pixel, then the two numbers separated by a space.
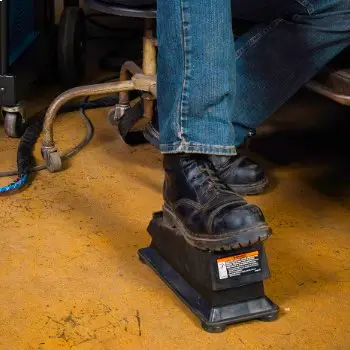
pixel 21 27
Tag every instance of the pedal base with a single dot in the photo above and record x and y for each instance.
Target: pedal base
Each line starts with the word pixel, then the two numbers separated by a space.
pixel 214 318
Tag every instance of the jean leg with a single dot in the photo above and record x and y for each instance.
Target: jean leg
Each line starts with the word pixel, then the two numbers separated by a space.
pixel 274 60
pixel 196 76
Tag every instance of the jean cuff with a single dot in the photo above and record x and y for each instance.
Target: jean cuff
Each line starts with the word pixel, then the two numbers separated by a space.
pixel 190 147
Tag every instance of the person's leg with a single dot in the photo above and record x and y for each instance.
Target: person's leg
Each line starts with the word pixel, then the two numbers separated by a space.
pixel 196 76
pixel 196 80
pixel 196 94
pixel 275 59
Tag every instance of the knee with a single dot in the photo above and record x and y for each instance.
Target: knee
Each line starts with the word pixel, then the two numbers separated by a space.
pixel 333 15
pixel 337 14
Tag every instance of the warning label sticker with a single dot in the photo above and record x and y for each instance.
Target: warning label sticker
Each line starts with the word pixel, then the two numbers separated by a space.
pixel 238 265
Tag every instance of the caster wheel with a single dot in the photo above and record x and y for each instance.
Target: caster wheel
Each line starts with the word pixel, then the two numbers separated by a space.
pixel 13 124
pixel 213 329
pixel 71 50
pixel 53 162
pixel 269 318
pixel 111 117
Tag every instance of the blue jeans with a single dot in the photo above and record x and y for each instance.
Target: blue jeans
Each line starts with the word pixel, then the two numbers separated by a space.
pixel 212 89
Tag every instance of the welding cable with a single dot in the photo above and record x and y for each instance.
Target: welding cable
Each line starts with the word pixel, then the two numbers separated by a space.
pixel 32 133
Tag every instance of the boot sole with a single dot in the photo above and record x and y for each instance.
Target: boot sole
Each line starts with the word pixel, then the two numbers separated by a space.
pixel 229 241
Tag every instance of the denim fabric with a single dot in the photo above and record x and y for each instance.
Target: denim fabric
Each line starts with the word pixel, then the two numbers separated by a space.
pixel 212 90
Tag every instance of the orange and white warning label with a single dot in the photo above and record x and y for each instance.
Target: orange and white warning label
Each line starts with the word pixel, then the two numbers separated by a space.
pixel 238 265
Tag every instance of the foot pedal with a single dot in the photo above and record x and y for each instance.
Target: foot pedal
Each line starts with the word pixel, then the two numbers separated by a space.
pixel 220 288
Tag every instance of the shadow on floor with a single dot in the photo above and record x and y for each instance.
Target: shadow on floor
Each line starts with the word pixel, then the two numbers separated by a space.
pixel 309 132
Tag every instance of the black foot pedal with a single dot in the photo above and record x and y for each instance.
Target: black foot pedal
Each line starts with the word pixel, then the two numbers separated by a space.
pixel 220 288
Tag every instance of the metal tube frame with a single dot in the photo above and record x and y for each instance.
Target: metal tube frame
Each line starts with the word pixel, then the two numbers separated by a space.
pixel 149 66
pixel 141 79
pixel 132 77
pixel 323 90
pixel 48 143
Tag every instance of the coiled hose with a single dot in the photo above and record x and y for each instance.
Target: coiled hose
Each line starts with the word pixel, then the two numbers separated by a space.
pixel 32 133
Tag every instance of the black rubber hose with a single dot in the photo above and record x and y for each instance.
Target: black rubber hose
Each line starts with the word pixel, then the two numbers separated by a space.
pixel 98 103
pixel 72 107
pixel 27 142
pixel 32 133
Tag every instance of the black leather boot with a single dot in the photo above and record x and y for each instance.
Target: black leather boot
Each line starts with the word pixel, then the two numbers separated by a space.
pixel 206 211
pixel 242 174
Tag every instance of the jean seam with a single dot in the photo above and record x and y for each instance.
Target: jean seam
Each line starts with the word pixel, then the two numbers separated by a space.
pixel 257 37
pixel 186 67
pixel 193 144
pixel 308 6
pixel 208 151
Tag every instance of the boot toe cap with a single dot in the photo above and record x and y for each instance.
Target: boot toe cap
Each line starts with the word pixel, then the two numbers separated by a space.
pixel 231 219
pixel 248 172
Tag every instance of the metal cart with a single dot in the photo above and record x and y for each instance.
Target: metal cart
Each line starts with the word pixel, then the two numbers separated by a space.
pixel 31 47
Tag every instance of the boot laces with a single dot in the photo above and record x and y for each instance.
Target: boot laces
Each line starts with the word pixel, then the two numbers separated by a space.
pixel 213 179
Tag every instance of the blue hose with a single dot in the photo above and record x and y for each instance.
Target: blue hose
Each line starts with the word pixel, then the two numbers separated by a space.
pixel 25 153
pixel 15 185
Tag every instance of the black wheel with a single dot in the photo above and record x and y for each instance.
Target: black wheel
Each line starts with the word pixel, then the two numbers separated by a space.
pixel 213 329
pixel 13 124
pixel 71 51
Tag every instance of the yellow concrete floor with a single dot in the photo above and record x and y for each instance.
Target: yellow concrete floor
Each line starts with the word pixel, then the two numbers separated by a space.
pixel 69 273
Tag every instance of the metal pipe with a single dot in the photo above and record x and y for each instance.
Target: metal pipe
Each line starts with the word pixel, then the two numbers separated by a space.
pixel 149 50
pixel 149 64
pixel 88 90
pixel 131 67
pixel 148 109
pixel 128 68
pixel 4 38
pixel 324 91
